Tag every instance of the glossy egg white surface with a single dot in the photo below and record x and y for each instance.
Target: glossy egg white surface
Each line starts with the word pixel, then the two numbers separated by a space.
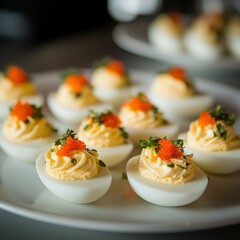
pixel 163 194
pixel 135 134
pixel 36 99
pixel 223 162
pixel 182 108
pixel 116 97
pixel 73 115
pixel 200 49
pixel 78 191
pixel 26 151
pixel 113 156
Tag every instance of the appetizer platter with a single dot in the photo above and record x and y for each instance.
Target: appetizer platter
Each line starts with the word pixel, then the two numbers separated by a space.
pixel 124 167
pixel 197 44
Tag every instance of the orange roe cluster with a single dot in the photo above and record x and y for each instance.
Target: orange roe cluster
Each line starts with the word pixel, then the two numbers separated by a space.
pixel 176 17
pixel 111 120
pixel 116 67
pixel 16 75
pixel 76 82
pixel 178 73
pixel 168 150
pixel 70 145
pixel 139 103
pixel 22 110
pixel 206 119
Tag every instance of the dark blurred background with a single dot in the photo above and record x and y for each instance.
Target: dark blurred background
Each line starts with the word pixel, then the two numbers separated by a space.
pixel 27 24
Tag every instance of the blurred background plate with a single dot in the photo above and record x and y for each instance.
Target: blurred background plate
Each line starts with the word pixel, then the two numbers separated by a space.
pixel 133 38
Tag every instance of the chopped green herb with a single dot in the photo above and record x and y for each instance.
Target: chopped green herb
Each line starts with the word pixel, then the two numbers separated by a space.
pixel 171 165
pixel 220 113
pixel 52 149
pixel 103 62
pixel 123 132
pixel 27 121
pixel 124 176
pixel 101 163
pixel 73 160
pixel 150 142
pixel 155 112
pixel 66 73
pixel 179 143
pixel 62 141
pixel 222 131
pixel 86 127
pixel 77 95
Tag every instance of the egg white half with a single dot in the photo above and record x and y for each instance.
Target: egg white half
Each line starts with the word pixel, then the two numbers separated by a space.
pixel 78 191
pixel 221 162
pixel 26 151
pixel 113 156
pixel 36 99
pixel 169 130
pixel 163 194
pixel 182 108
pixel 73 115
pixel 116 97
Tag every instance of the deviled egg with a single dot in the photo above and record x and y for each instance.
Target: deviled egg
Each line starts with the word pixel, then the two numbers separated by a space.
pixel 165 32
pixel 214 142
pixel 73 172
pixel 141 119
pixel 26 133
pixel 15 83
pixel 174 93
pixel 163 175
pixel 73 99
pixel 203 39
pixel 232 36
pixel 112 83
pixel 103 132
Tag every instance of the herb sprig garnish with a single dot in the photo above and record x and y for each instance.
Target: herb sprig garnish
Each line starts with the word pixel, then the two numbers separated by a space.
pixel 69 133
pixel 219 113
pixel 97 117
pixel 103 62
pixel 66 72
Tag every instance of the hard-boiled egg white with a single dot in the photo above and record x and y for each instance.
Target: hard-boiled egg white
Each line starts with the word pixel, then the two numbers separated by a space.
pixel 76 191
pixel 116 97
pixel 163 194
pixel 200 49
pixel 36 99
pixel 112 156
pixel 175 109
pixel 221 162
pixel 26 151
pixel 169 130
pixel 73 115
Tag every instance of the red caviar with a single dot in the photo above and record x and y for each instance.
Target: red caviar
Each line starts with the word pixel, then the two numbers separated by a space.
pixel 139 103
pixel 76 82
pixel 110 120
pixel 206 119
pixel 16 75
pixel 116 67
pixel 168 150
pixel 178 73
pixel 22 110
pixel 70 145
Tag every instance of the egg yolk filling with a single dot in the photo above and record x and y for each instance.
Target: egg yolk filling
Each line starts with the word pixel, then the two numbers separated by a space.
pixel 15 83
pixel 102 130
pixel 25 123
pixel 69 159
pixel 139 112
pixel 213 131
pixel 110 74
pixel 75 92
pixel 173 84
pixel 163 160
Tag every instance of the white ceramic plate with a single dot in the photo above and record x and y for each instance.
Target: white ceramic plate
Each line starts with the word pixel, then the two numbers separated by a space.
pixel 22 193
pixel 133 37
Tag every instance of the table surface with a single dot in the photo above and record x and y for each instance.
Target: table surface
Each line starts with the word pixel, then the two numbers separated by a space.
pixel 81 50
